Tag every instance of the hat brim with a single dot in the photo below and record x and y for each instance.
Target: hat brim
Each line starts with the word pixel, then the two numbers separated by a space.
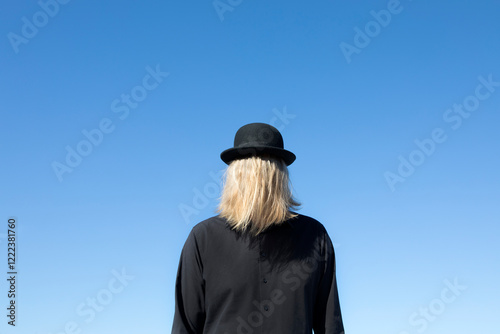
pixel 244 152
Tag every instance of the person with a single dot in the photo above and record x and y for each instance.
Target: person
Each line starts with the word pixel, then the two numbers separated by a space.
pixel 257 266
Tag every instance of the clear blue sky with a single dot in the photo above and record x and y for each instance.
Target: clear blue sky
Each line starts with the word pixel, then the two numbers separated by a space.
pixel 114 114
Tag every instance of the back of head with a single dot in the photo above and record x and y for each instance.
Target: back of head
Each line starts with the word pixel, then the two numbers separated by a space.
pixel 256 194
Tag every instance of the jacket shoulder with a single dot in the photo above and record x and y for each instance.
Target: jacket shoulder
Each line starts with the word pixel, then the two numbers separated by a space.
pixel 308 222
pixel 209 225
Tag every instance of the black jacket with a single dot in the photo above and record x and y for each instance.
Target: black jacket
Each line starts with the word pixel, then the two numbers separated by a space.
pixel 281 282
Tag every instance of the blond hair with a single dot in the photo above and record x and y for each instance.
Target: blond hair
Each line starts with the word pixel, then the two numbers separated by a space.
pixel 256 194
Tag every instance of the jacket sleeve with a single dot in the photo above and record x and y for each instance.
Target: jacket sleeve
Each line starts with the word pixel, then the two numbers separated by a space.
pixel 189 316
pixel 327 315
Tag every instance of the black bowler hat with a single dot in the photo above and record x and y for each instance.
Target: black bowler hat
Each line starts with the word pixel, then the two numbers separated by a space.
pixel 257 139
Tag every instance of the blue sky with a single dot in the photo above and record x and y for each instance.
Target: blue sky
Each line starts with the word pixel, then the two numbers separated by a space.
pixel 114 115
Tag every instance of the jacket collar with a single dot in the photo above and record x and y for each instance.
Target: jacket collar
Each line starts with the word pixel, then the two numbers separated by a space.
pixel 289 223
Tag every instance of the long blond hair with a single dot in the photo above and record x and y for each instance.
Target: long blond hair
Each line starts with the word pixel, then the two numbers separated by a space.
pixel 256 194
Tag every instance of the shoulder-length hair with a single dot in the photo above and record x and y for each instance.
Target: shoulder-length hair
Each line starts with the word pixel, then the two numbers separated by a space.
pixel 256 194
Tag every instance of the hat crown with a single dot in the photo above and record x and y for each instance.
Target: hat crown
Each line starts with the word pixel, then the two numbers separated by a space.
pixel 258 134
pixel 257 139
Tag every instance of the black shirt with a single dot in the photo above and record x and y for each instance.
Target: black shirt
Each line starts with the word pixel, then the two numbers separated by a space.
pixel 280 282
